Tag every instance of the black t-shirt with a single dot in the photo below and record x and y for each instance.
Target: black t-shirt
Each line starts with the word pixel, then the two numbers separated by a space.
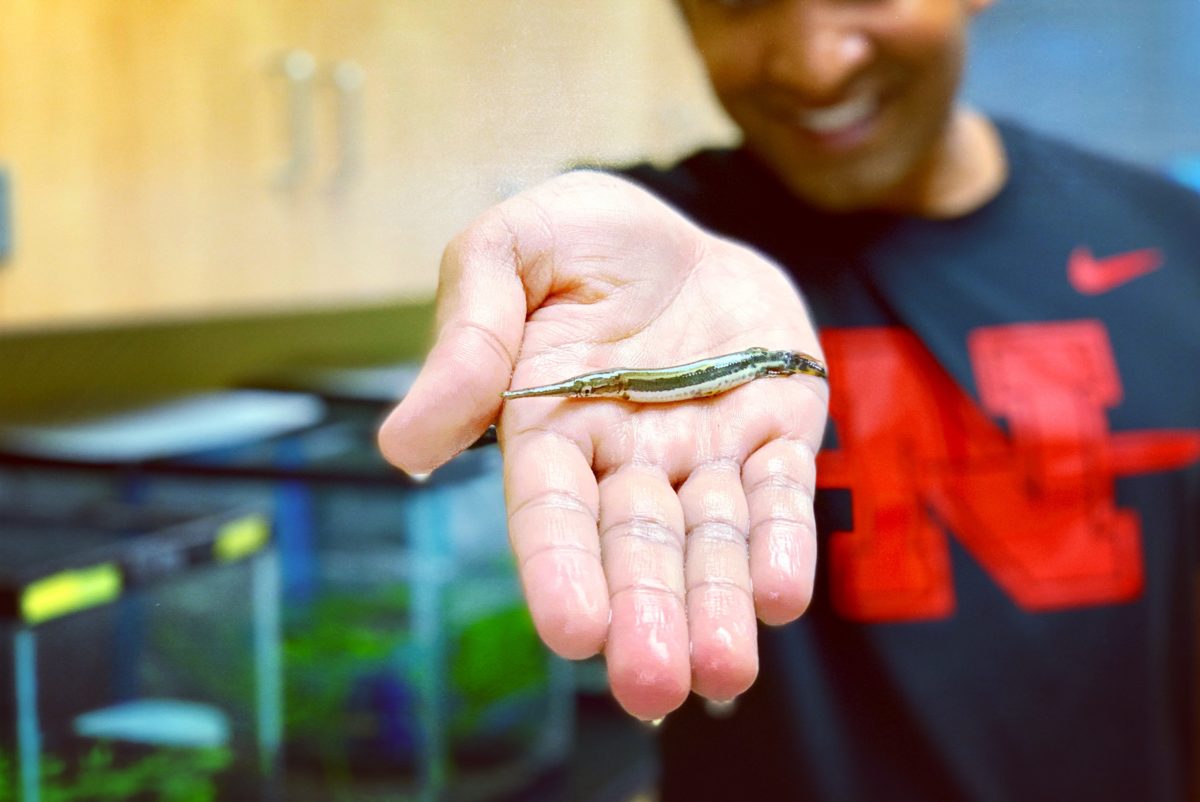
pixel 1009 495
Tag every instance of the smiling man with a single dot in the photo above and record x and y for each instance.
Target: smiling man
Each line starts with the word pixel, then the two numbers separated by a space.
pixel 852 104
pixel 1008 495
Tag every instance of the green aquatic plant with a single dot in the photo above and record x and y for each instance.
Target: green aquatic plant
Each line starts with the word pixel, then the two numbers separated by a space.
pixel 100 775
pixel 7 778
pixel 504 638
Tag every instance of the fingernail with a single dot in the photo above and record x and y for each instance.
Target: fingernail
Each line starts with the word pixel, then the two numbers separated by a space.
pixel 420 478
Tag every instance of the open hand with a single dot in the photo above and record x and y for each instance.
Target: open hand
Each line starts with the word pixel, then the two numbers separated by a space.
pixel 658 532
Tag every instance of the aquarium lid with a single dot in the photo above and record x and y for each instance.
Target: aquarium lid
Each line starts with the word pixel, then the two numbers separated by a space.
pixel 174 428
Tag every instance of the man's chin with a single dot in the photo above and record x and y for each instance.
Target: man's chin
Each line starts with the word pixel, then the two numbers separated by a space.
pixel 841 194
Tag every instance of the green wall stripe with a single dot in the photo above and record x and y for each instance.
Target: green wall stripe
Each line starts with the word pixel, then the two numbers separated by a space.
pixel 82 372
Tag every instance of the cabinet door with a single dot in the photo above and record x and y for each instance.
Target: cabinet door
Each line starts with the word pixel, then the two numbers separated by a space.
pixel 431 111
pixel 142 140
pixel 212 156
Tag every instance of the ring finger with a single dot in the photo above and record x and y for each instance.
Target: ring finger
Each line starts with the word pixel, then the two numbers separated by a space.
pixel 641 545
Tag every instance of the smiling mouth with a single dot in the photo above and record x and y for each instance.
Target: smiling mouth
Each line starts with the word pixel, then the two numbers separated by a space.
pixel 842 118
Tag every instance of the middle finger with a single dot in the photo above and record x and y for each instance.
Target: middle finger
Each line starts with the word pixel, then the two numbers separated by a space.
pixel 720 601
pixel 641 544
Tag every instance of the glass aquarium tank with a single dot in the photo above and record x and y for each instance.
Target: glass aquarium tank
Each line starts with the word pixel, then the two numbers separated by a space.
pixel 140 653
pixel 411 657
pixel 411 667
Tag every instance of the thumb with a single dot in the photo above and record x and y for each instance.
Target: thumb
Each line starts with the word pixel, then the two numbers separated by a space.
pixel 481 309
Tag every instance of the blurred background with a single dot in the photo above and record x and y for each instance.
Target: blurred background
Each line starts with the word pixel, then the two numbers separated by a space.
pixel 220 225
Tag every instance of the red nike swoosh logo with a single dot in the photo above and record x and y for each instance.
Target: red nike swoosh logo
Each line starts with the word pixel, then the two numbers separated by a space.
pixel 1092 276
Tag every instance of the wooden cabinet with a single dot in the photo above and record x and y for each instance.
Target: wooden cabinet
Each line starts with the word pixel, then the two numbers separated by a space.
pixel 201 157
pixel 139 138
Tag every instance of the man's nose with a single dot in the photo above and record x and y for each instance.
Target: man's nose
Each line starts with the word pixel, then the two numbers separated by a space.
pixel 816 51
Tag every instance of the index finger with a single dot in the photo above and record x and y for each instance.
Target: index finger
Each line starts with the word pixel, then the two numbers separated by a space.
pixel 553 509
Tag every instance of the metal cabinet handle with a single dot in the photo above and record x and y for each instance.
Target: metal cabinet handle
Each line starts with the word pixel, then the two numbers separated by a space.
pixel 299 67
pixel 6 217
pixel 347 79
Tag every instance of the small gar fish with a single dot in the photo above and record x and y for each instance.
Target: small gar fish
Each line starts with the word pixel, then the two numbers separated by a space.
pixel 680 383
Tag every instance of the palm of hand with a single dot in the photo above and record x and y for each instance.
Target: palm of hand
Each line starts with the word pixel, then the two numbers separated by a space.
pixel 654 532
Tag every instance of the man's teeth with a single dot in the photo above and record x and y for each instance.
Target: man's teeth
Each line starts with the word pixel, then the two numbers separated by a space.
pixel 836 118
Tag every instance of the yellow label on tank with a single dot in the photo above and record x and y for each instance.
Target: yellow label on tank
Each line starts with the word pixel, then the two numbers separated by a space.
pixel 70 591
pixel 241 538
